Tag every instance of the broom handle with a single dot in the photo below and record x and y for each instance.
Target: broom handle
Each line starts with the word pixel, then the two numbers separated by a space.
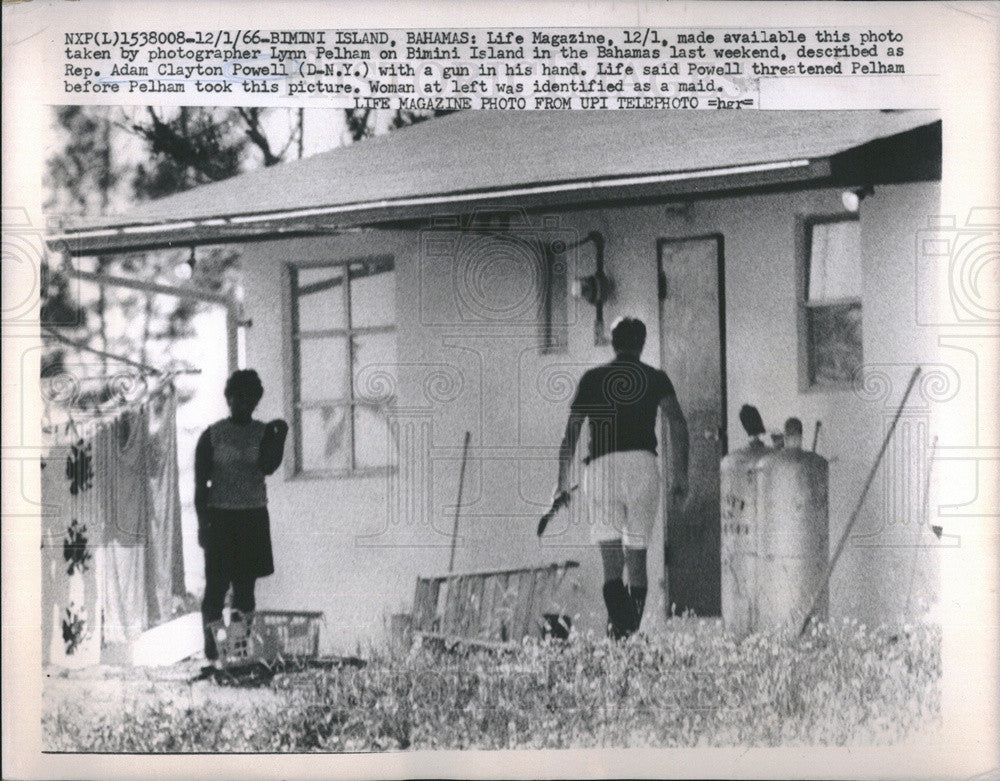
pixel 857 507
pixel 458 505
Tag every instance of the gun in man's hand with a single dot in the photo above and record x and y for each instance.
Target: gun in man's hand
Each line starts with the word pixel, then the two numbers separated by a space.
pixel 561 500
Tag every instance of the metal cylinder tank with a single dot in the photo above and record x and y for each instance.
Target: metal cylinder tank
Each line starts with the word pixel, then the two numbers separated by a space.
pixel 792 541
pixel 738 503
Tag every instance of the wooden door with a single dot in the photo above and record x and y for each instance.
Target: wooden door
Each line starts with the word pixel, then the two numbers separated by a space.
pixel 692 343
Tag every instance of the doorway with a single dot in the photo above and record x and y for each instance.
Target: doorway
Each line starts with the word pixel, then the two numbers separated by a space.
pixel 692 353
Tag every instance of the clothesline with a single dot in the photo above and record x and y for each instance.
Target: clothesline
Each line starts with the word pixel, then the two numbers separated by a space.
pixel 164 378
pixel 99 415
pixel 106 412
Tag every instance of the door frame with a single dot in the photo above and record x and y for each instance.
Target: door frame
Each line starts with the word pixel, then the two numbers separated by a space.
pixel 661 245
pixel 720 254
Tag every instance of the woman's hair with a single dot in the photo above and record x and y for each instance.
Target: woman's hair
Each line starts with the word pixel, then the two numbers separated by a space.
pixel 245 381
pixel 628 335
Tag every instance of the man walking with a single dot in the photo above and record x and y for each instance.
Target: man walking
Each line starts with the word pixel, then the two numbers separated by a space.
pixel 621 476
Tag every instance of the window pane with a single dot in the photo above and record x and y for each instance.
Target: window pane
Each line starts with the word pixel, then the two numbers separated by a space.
pixel 835 261
pixel 373 294
pixel 373 445
pixel 320 297
pixel 323 368
pixel 834 343
pixel 325 439
pixel 374 356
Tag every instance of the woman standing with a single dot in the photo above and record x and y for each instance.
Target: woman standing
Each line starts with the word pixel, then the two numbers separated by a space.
pixel 232 458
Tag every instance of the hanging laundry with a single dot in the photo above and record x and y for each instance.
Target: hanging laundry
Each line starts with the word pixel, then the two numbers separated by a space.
pixel 130 452
pixel 165 547
pixel 112 560
pixel 71 557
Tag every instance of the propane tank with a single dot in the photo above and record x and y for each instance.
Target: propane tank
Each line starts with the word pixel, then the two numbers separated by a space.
pixel 792 531
pixel 738 502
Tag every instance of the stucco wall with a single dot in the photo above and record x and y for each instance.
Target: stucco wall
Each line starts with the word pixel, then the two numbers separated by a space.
pixel 352 547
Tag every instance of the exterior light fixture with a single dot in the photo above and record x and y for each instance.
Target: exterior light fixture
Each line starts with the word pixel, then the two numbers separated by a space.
pixel 185 270
pixel 594 288
pixel 853 197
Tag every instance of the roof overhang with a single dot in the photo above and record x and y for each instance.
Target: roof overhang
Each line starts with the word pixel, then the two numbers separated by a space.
pixel 333 219
pixel 546 163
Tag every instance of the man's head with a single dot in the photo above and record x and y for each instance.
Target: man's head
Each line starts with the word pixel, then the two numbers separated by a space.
pixel 628 336
pixel 243 392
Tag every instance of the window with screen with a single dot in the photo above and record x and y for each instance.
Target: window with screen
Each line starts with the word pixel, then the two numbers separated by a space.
pixel 343 335
pixel 832 301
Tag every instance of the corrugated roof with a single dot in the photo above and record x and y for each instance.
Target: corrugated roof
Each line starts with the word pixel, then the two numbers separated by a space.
pixel 483 151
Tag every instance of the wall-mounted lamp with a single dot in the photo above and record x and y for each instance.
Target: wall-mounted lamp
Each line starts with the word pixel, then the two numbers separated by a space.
pixel 595 288
pixel 853 197
pixel 185 270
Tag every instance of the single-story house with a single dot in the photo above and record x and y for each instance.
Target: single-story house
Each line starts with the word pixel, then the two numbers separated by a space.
pixel 440 279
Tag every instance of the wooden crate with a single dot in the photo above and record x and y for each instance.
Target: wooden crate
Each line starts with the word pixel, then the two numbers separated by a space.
pixel 488 607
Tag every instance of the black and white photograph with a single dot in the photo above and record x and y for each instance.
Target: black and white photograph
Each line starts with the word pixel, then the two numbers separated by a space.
pixel 438 338
pixel 381 431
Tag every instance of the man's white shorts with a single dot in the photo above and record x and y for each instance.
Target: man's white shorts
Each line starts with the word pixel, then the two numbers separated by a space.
pixel 622 495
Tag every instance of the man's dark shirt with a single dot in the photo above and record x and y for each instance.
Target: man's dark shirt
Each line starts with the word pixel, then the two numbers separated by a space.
pixel 620 400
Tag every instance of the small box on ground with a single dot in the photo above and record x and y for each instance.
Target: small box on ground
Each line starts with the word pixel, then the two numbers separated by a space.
pixel 271 637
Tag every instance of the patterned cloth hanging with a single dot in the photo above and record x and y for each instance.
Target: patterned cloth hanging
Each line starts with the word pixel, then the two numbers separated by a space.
pixel 112 558
pixel 74 500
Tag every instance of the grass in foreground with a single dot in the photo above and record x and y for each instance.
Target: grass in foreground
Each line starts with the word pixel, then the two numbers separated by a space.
pixel 693 687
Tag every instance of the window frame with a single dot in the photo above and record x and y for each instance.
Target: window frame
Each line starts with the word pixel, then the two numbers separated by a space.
pixel 804 239
pixel 293 340
pixel 554 337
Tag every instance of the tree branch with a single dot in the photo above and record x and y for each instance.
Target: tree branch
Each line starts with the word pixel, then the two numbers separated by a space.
pixel 257 137
pixel 163 139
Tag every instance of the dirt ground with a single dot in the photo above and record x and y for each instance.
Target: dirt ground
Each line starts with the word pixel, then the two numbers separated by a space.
pixel 846 685
pixel 105 689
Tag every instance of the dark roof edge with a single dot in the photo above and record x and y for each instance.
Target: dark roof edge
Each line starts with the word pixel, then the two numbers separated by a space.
pixel 913 155
pixel 326 219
